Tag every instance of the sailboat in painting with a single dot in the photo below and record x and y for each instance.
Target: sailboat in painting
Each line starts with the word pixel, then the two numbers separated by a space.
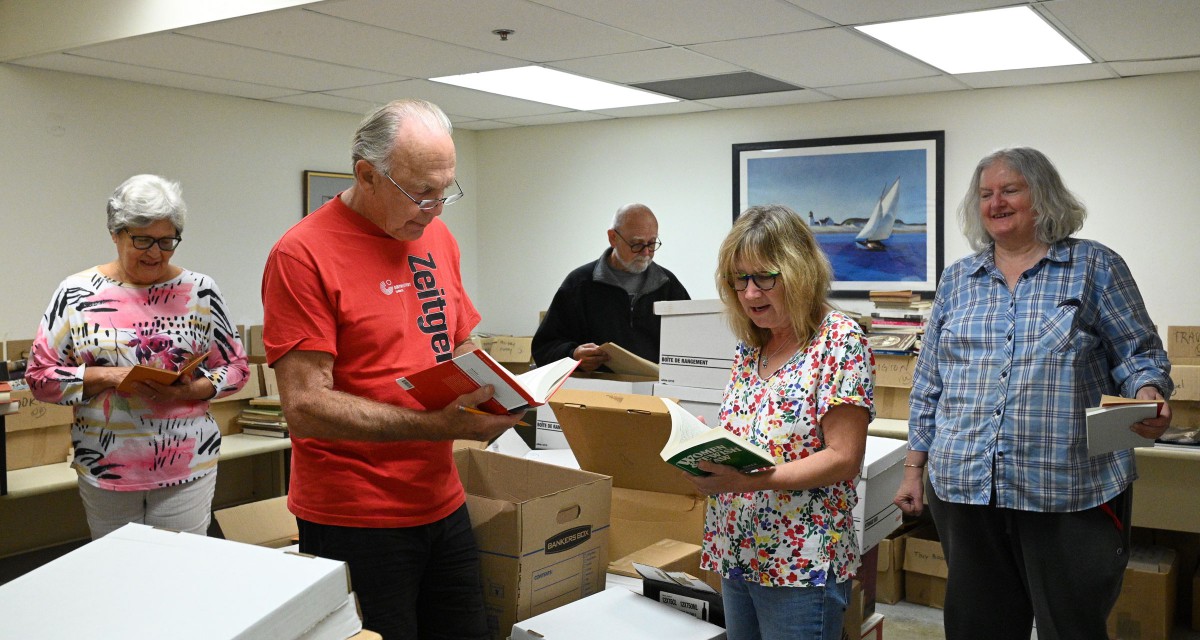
pixel 883 217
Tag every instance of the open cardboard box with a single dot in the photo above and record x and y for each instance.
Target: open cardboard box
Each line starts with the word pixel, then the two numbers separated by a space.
pixel 266 523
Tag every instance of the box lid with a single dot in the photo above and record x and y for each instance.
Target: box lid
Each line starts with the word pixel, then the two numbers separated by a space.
pixel 620 435
pixel 615 613
pixel 881 454
pixel 688 394
pixel 688 307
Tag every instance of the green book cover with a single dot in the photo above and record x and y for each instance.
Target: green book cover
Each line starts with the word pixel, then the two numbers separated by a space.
pixel 692 441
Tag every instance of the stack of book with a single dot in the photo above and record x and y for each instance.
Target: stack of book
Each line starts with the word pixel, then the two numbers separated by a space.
pixel 7 404
pixel 897 323
pixel 264 417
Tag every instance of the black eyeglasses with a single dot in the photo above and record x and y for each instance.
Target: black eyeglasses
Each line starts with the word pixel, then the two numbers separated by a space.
pixel 142 243
pixel 764 281
pixel 428 205
pixel 640 246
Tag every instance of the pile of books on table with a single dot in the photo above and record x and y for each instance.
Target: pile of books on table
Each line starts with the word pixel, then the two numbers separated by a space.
pixel 264 417
pixel 897 323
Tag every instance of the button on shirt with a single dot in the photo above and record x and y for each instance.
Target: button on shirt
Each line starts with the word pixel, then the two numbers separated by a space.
pixel 1004 378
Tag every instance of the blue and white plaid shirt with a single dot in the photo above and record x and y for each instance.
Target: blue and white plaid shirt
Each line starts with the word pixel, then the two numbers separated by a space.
pixel 1004 377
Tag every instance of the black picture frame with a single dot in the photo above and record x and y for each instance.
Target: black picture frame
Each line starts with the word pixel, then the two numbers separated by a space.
pixel 836 184
pixel 323 186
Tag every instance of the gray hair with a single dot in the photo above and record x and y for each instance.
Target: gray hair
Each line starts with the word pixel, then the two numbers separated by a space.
pixel 375 138
pixel 628 211
pixel 1059 212
pixel 143 200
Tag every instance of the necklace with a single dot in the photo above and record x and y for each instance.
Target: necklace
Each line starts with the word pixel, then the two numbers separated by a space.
pixel 766 360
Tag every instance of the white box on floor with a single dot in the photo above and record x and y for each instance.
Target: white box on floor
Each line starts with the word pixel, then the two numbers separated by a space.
pixel 615 613
pixel 697 401
pixel 143 582
pixel 549 433
pixel 882 470
pixel 696 348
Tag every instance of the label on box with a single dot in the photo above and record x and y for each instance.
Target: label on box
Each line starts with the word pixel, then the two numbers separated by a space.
pixel 692 606
pixel 1183 342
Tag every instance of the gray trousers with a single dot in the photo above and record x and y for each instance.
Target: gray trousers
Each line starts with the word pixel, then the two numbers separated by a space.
pixel 1008 567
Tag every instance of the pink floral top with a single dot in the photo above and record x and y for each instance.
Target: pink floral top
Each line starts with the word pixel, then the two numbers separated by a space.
pixel 791 538
pixel 121 441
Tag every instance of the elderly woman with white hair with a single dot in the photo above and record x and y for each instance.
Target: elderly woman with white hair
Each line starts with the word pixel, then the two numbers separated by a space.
pixel 148 455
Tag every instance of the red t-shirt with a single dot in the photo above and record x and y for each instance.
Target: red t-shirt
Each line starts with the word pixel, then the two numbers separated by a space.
pixel 384 308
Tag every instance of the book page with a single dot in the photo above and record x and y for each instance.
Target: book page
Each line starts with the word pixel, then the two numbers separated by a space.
pixel 542 382
pixel 1108 428
pixel 142 373
pixel 684 425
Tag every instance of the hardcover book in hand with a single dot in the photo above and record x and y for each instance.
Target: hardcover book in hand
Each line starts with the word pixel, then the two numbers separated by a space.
pixel 441 384
pixel 692 441
pixel 1108 425
pixel 142 373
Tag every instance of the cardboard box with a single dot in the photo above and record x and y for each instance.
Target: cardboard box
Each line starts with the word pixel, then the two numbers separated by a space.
pixel 252 388
pixel 542 532
pixel 641 518
pixel 253 344
pixel 696 347
pixel 514 352
pixel 852 620
pixel 38 434
pixel 894 371
pixel 1145 610
pixel 1187 382
pixel 269 384
pixel 666 554
pixel 682 592
pixel 17 349
pixel 889 575
pixel 615 613
pixel 924 569
pixel 549 433
pixel 882 469
pixel 1183 342
pixel 225 414
pixel 266 523
pixel 696 400
pixel 250 592
pixel 891 402
pixel 35 414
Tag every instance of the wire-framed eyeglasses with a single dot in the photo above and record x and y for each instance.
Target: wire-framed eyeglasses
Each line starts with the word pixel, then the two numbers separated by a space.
pixel 428 205
pixel 639 247
pixel 142 243
pixel 764 281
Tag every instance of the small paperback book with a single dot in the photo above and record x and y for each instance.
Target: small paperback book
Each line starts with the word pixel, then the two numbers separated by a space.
pixel 692 441
pixel 444 382
pixel 1108 425
pixel 142 373
pixel 624 361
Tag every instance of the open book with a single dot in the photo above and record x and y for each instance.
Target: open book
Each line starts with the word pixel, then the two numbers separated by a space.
pixel 442 383
pixel 692 441
pixel 622 360
pixel 1108 425
pixel 142 373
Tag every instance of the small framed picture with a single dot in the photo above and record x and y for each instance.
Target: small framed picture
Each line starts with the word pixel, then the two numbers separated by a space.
pixel 321 187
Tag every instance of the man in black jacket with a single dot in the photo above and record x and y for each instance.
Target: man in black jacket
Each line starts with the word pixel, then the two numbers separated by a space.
pixel 611 299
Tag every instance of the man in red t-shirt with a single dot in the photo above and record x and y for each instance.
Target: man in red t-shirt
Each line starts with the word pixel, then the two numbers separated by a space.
pixel 362 291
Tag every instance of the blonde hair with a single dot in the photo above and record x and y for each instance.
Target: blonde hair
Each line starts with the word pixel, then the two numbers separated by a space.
pixel 776 239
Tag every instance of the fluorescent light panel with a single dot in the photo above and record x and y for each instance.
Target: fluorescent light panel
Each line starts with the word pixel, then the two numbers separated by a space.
pixel 996 40
pixel 555 87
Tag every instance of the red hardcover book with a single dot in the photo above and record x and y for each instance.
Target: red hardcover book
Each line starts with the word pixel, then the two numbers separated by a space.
pixel 444 382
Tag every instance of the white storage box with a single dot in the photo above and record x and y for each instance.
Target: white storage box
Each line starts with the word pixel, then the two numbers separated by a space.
pixel 696 400
pixel 696 348
pixel 882 470
pixel 153 583
pixel 615 613
pixel 549 433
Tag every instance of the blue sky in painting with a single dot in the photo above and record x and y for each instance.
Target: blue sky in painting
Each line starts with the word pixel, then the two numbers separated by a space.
pixel 840 185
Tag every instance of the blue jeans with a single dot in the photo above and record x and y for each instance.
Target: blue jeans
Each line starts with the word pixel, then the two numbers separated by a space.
pixel 755 612
pixel 414 582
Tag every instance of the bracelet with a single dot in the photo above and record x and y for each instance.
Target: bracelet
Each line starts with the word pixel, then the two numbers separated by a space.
pixel 914 466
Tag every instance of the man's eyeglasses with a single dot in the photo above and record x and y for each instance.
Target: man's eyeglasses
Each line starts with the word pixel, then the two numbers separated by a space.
pixel 428 205
pixel 639 247
pixel 142 243
pixel 764 281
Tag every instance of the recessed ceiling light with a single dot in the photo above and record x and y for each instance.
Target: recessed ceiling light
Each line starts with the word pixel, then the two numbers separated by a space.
pixel 996 40
pixel 555 87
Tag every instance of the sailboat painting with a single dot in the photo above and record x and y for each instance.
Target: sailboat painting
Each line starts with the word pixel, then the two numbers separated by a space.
pixel 874 206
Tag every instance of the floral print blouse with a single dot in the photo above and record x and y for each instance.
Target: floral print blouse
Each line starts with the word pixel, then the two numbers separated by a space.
pixel 791 538
pixel 123 442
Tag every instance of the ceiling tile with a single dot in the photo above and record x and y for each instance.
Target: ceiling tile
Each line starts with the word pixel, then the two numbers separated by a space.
pixel 741 83
pixel 541 34
pixel 644 66
pixel 768 99
pixel 895 88
pixel 1044 75
pixel 1124 30
pixel 452 99
pixel 830 57
pixel 332 103
pixel 857 13
pixel 558 118
pixel 186 54
pixel 306 34
pixel 712 20
pixel 1156 66
pixel 667 109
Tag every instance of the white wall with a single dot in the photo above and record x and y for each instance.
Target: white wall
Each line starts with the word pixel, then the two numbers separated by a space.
pixel 540 198
pixel 1129 148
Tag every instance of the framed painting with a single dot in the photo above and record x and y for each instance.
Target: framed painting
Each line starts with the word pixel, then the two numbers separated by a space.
pixel 875 203
pixel 323 186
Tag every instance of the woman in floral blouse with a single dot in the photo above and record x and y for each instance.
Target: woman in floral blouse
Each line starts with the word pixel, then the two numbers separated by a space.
pixel 783 539
pixel 148 455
